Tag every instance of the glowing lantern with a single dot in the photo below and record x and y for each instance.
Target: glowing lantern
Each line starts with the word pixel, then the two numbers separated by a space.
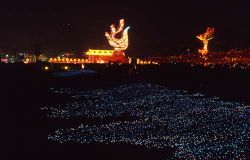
pixel 205 38
pixel 121 43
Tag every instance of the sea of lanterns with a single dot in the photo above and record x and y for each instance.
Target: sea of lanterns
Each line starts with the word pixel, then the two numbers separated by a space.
pixel 198 126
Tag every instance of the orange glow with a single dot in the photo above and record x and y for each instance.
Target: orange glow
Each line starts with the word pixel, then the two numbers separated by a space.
pixel 65 60
pixel 26 61
pixel 205 38
pixel 129 60
pixel 95 52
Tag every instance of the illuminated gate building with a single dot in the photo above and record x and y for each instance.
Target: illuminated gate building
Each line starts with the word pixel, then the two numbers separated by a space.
pixel 105 56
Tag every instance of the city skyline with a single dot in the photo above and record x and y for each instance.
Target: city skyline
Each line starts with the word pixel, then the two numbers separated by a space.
pixel 156 28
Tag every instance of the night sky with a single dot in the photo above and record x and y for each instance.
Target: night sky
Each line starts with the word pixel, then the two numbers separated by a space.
pixel 157 28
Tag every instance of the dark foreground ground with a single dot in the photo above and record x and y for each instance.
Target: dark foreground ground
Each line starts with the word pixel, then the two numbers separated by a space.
pixel 25 89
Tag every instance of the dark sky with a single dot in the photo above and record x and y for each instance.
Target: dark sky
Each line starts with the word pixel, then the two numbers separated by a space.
pixel 156 27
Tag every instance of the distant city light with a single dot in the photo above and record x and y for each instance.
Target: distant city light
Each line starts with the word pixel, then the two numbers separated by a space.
pixel 26 60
